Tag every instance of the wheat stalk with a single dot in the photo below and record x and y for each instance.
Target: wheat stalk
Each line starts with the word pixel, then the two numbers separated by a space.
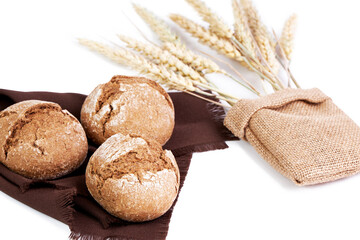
pixel 285 64
pixel 207 37
pixel 242 31
pixel 216 24
pixel 261 35
pixel 162 57
pixel 286 40
pixel 255 24
pixel 158 26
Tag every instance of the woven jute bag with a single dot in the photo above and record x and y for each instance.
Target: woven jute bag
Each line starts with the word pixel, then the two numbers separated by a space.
pixel 301 133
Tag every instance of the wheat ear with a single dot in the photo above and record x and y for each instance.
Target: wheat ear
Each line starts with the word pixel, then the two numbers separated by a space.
pixel 199 63
pixel 255 24
pixel 263 38
pixel 286 40
pixel 216 24
pixel 126 57
pixel 242 31
pixel 268 52
pixel 158 26
pixel 207 37
pixel 163 57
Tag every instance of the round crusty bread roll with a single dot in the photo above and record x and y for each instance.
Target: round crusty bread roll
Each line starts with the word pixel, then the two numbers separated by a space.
pixel 133 178
pixel 128 105
pixel 39 140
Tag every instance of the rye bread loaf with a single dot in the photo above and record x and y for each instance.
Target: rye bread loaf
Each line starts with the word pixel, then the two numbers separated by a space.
pixel 133 178
pixel 128 105
pixel 39 140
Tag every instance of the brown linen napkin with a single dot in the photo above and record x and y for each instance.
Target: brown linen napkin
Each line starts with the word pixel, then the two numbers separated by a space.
pixel 197 128
pixel 301 133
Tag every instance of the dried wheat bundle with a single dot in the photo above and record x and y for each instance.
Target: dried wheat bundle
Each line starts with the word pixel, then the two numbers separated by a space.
pixel 177 67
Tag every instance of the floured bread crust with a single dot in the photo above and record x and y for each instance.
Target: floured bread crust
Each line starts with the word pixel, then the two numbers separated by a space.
pixel 133 178
pixel 128 105
pixel 39 140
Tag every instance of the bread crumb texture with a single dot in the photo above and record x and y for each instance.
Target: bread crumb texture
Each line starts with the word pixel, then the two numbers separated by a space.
pixel 39 140
pixel 133 178
pixel 128 105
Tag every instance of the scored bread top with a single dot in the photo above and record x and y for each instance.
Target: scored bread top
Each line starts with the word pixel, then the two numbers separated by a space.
pixel 40 140
pixel 128 105
pixel 133 178
pixel 130 154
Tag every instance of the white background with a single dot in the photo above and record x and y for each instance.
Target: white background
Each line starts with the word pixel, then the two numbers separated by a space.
pixel 228 194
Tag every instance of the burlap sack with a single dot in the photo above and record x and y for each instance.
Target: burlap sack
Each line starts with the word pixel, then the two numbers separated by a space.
pixel 301 133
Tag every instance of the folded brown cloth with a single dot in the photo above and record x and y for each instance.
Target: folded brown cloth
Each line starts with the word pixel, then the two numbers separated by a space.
pixel 197 128
pixel 301 133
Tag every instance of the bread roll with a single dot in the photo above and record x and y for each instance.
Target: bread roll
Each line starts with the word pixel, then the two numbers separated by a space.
pixel 133 178
pixel 39 140
pixel 128 105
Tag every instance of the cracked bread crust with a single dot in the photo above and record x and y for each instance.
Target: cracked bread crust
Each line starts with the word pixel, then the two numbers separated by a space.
pixel 133 178
pixel 41 141
pixel 128 105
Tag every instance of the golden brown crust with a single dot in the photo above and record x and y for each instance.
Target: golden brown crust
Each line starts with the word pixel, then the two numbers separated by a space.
pixel 39 140
pixel 130 79
pixel 133 178
pixel 128 105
